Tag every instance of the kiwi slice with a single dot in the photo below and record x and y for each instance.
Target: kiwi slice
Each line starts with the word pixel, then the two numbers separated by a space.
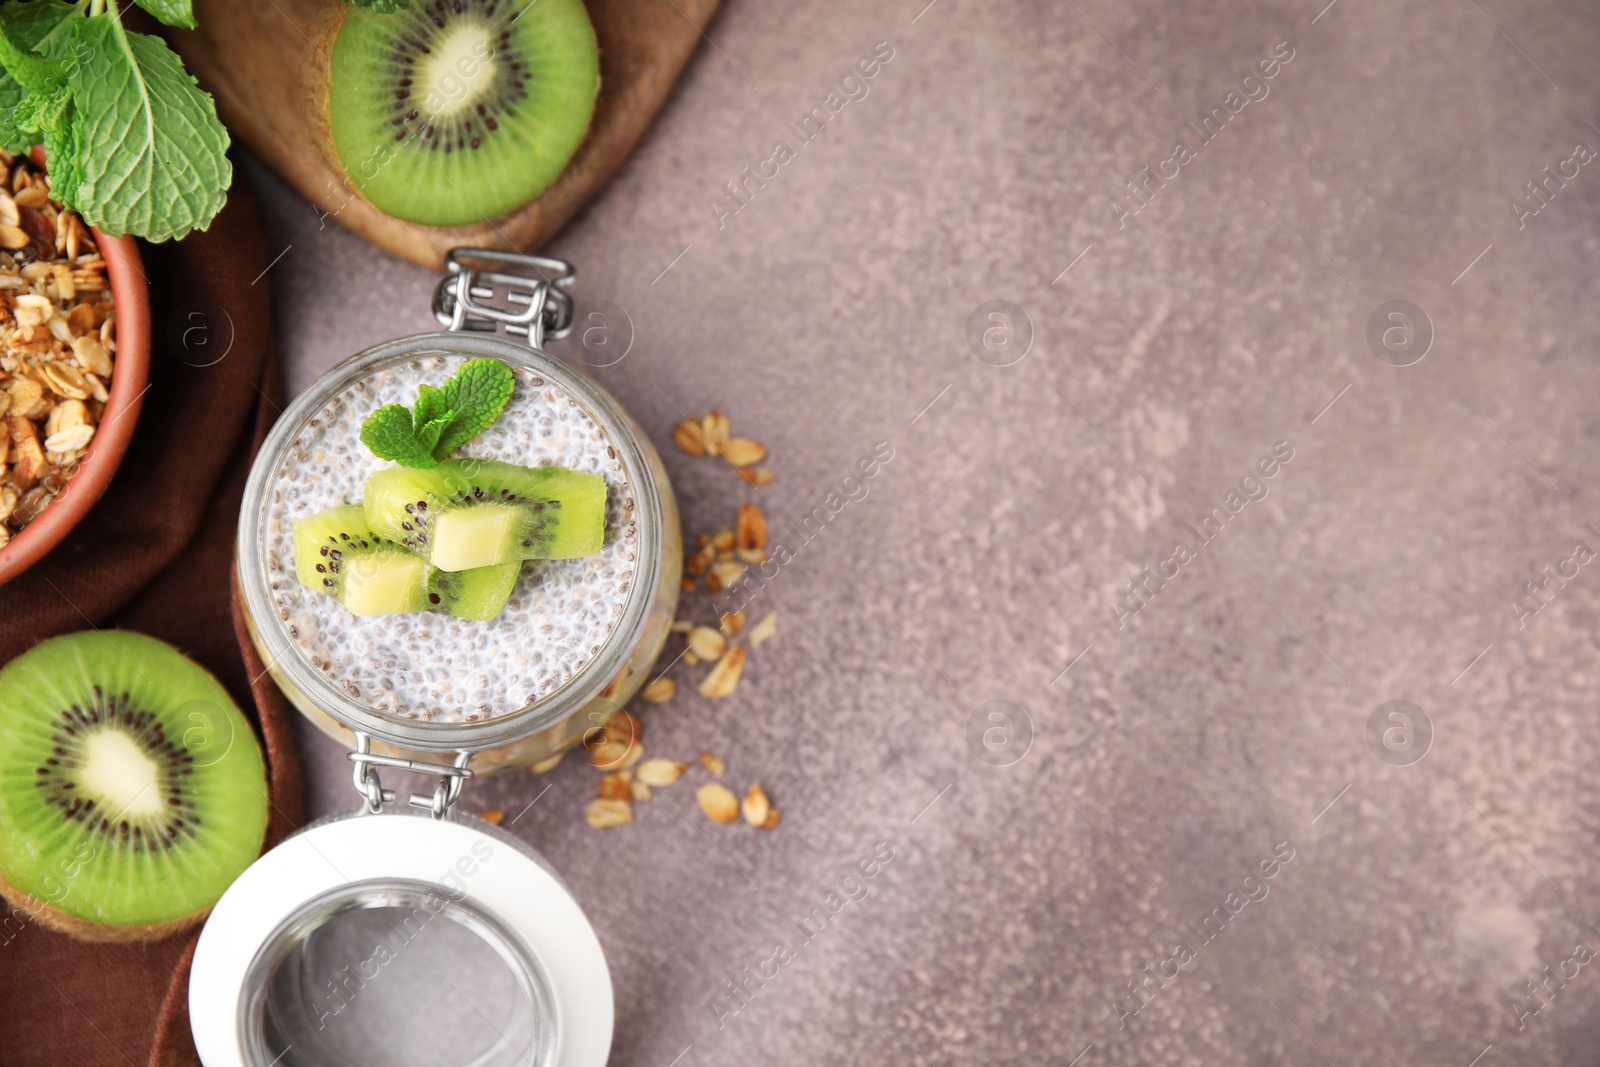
pixel 336 552
pixel 450 112
pixel 132 791
pixel 468 513
pixel 479 593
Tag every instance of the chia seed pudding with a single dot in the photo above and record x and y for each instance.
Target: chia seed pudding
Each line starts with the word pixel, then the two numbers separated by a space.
pixel 433 667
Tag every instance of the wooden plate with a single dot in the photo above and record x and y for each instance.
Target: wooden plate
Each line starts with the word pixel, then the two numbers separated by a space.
pixel 267 66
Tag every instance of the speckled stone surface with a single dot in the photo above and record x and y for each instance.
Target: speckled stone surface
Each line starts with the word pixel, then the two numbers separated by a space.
pixel 1229 716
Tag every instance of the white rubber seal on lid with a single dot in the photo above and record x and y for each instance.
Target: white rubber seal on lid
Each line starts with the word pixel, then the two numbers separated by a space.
pixel 480 866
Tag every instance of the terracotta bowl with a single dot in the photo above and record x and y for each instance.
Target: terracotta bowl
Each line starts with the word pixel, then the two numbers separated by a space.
pixel 126 395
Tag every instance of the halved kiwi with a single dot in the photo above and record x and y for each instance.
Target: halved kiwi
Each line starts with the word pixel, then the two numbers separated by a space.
pixel 132 790
pixel 450 112
pixel 336 552
pixel 468 513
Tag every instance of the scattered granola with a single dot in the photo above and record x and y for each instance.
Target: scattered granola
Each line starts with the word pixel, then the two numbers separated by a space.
pixel 689 437
pixel 718 802
pixel 660 772
pixel 720 560
pixel 752 527
pixel 616 746
pixel 622 727
pixel 764 630
pixel 616 755
pixel 711 435
pixel 706 643
pixel 616 749
pixel 724 676
pixel 715 429
pixel 743 452
pixel 757 807
pixel 56 343
pixel 726 575
pixel 659 691
pixel 604 813
pixel 761 477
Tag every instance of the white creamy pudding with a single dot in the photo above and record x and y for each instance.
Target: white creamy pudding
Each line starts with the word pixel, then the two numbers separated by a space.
pixel 429 666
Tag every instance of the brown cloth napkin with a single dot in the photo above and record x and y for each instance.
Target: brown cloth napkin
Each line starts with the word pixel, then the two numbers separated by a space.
pixel 156 555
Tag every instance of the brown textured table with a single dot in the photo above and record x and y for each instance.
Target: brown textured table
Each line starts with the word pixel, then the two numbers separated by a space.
pixel 1174 348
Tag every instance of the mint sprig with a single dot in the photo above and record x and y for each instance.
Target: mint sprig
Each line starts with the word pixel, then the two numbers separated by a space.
pixel 444 417
pixel 133 145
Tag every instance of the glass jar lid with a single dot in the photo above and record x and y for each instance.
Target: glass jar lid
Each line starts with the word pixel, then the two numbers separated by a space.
pixel 397 940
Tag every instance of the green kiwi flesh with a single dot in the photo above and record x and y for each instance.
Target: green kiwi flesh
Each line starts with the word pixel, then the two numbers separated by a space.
pixel 478 593
pixel 132 790
pixel 336 552
pixel 468 513
pixel 451 112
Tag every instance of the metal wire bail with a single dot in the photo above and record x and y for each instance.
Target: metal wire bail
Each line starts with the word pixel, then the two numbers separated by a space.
pixel 446 790
pixel 540 304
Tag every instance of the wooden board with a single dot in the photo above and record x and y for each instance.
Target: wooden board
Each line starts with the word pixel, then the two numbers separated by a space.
pixel 267 66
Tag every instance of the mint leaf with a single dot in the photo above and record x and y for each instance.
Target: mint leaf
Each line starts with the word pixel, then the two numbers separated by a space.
pixel 38 24
pixel 151 152
pixel 49 118
pixel 444 419
pixel 171 12
pixel 431 404
pixel 32 70
pixel 12 138
pixel 66 174
pixel 427 435
pixel 477 394
pixel 387 433
pixel 41 112
pixel 430 417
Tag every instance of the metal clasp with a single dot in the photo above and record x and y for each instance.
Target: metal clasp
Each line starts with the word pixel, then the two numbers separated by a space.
pixel 446 791
pixel 542 306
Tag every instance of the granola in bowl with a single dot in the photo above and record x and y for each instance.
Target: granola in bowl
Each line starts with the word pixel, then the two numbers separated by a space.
pixel 57 344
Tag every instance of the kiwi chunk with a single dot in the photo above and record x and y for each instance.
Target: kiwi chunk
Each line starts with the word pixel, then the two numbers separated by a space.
pixel 132 790
pixel 451 112
pixel 336 552
pixel 468 513
pixel 478 593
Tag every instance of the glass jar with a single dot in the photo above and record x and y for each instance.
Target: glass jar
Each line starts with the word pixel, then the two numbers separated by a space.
pixel 401 933
pixel 647 516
